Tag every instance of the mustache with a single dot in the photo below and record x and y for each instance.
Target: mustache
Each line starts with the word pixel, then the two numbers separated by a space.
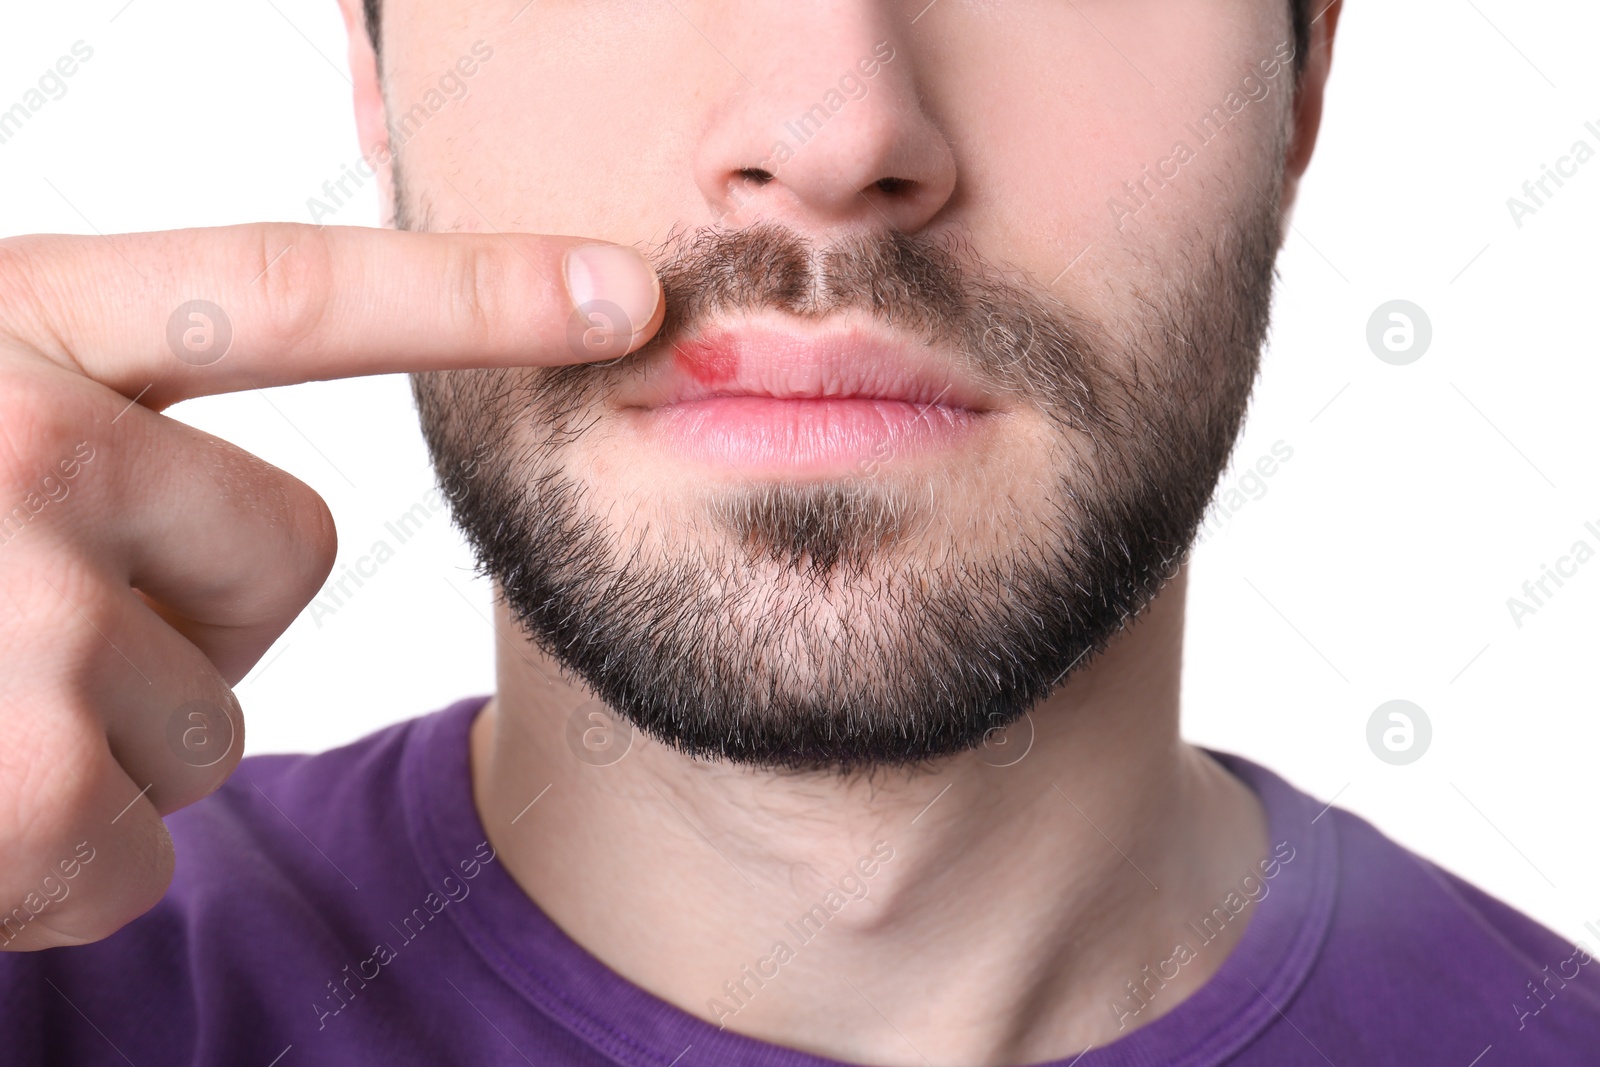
pixel 1012 336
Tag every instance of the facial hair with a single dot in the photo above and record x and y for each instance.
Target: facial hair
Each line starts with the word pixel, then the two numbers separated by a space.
pixel 836 625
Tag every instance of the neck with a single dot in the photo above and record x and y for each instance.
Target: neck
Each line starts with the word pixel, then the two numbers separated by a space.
pixel 991 908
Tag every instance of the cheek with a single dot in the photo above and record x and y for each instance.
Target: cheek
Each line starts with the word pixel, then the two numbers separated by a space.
pixel 1057 120
pixel 565 130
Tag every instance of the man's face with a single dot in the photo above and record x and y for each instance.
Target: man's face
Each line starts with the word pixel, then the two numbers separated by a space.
pixel 964 303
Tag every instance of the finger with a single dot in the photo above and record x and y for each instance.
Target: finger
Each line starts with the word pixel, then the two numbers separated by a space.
pixel 228 547
pixel 187 313
pixel 171 721
pixel 90 853
pixel 169 718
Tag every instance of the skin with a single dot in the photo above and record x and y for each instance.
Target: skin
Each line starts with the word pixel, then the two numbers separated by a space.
pixel 176 559
pixel 1006 919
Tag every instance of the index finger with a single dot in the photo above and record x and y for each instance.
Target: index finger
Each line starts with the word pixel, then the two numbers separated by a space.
pixel 185 313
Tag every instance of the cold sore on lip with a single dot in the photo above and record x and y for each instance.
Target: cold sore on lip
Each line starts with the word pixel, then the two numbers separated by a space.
pixel 799 406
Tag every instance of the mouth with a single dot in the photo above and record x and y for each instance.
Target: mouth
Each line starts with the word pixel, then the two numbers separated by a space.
pixel 776 400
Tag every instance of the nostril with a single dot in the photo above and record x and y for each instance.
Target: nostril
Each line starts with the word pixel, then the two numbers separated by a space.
pixel 894 185
pixel 756 174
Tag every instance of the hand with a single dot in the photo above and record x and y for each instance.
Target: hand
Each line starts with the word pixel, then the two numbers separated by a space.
pixel 146 566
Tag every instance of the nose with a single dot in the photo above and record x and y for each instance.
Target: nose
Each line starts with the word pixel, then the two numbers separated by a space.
pixel 826 129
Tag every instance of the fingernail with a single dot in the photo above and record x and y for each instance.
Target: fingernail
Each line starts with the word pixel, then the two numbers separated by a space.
pixel 605 280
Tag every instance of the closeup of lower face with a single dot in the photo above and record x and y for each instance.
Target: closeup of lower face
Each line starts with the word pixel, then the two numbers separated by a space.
pixel 963 315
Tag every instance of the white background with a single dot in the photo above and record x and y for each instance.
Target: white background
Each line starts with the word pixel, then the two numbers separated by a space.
pixel 1376 566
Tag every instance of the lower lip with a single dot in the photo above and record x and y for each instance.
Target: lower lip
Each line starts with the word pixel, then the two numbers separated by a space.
pixel 757 432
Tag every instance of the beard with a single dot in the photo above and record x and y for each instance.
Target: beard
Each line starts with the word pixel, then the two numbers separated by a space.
pixel 862 621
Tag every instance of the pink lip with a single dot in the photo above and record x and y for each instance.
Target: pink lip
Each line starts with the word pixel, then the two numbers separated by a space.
pixel 773 400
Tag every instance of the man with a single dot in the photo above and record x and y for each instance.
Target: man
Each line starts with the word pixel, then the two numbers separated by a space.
pixel 840 546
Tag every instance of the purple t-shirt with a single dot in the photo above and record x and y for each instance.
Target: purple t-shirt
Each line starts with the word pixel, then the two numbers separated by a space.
pixel 346 908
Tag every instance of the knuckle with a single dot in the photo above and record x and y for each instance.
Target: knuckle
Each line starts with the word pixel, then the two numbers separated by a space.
pixel 205 736
pixel 114 883
pixel 477 276
pixel 140 882
pixel 314 534
pixel 309 538
pixel 267 499
pixel 293 271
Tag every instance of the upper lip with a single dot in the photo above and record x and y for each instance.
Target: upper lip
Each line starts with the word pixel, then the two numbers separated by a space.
pixel 850 363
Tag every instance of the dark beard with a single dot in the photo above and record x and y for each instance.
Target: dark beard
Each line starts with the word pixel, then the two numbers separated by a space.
pixel 808 634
